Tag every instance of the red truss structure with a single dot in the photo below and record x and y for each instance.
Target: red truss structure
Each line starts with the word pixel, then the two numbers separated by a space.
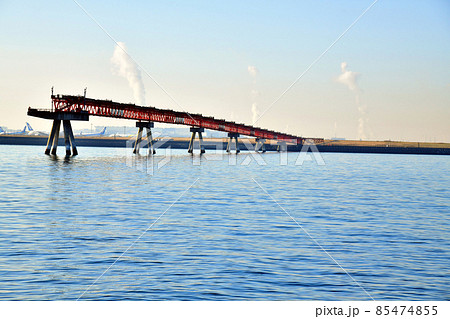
pixel 107 108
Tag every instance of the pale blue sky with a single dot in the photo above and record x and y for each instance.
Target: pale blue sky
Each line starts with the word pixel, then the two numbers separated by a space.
pixel 199 51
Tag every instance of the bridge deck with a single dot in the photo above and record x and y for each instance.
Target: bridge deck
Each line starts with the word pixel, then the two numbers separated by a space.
pixel 107 108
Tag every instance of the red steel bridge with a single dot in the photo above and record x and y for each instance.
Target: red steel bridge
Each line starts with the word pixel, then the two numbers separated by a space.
pixel 70 107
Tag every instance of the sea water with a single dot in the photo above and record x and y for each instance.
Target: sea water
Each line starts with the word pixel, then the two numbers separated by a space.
pixel 107 225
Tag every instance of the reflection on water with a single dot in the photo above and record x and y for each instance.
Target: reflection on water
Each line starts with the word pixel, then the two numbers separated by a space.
pixel 64 221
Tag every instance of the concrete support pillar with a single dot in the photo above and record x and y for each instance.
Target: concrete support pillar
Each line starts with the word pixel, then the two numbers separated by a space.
pixel 151 150
pixel 138 141
pixel 148 126
pixel 260 144
pixel 191 143
pixel 55 132
pixel 51 137
pixel 232 136
pixel 200 141
pixel 69 139
pixel 57 117
pixel 195 130
pixel 72 139
pixel 282 146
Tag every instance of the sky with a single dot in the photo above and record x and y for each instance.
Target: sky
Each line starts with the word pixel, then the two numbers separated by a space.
pixel 387 78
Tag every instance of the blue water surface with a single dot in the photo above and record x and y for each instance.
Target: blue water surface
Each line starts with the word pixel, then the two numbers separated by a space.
pixel 223 227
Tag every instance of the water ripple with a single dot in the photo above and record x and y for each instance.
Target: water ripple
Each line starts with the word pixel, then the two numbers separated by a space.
pixel 384 218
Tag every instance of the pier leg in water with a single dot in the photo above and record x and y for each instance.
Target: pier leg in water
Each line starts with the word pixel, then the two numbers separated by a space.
pixel 260 145
pixel 195 130
pixel 191 143
pixel 282 146
pixel 72 139
pixel 138 140
pixel 67 137
pixel 200 141
pixel 148 126
pixel 232 136
pixel 51 137
pixel 151 150
pixel 57 124
pixel 57 117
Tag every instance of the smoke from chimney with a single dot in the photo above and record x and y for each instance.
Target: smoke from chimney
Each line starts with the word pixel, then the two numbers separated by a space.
pixel 253 71
pixel 350 79
pixel 255 112
pixel 125 67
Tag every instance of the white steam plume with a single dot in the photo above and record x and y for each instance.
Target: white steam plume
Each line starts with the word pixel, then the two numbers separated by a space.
pixel 255 112
pixel 253 71
pixel 124 66
pixel 350 79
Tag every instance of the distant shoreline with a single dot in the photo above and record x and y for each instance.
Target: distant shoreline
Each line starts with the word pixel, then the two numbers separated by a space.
pixel 335 146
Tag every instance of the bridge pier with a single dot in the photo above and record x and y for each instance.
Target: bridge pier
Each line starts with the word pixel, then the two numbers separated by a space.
pixel 260 145
pixel 232 136
pixel 51 146
pixel 148 126
pixel 199 131
pixel 281 146
pixel 57 117
pixel 69 139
